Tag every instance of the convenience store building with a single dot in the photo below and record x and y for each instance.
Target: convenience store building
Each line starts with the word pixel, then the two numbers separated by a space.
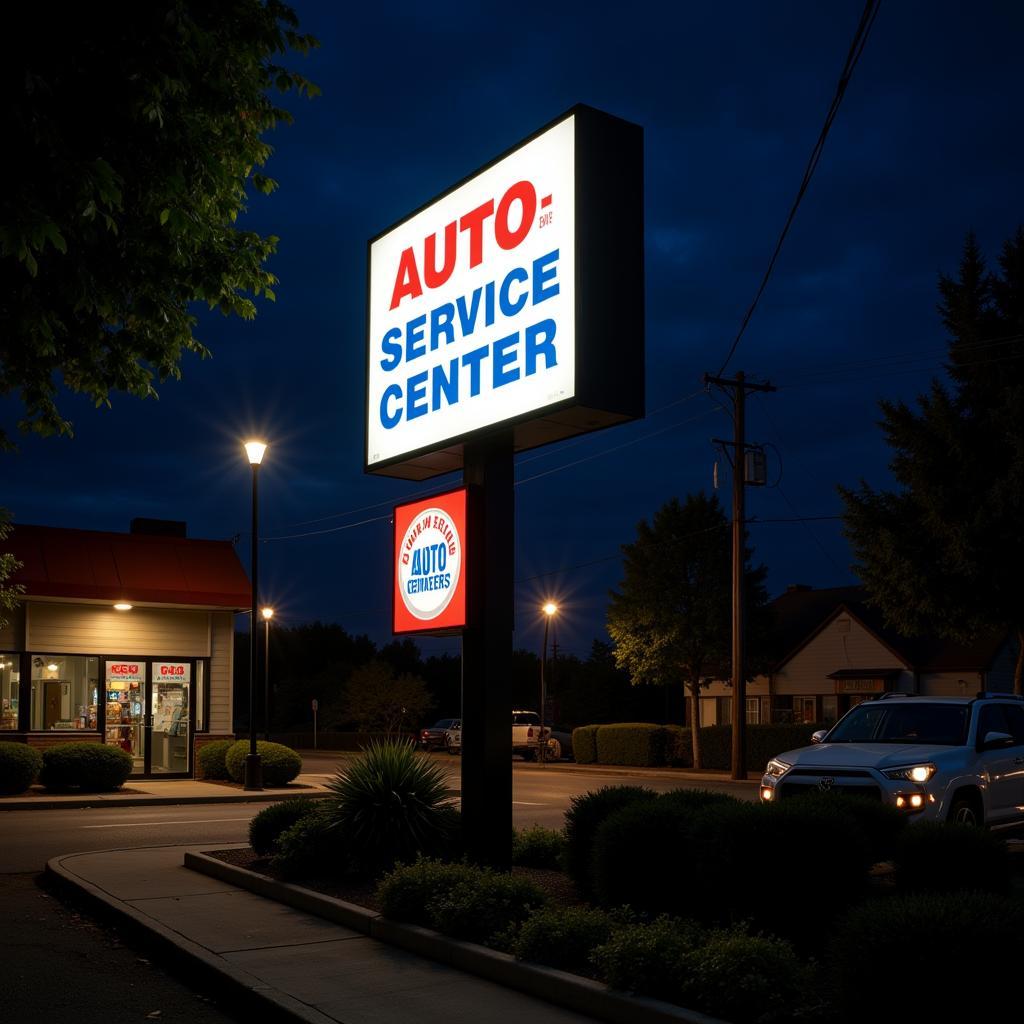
pixel 125 639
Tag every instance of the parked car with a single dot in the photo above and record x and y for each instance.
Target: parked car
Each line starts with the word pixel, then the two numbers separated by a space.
pixel 525 737
pixel 935 758
pixel 433 738
pixel 526 732
pixel 453 737
pixel 559 745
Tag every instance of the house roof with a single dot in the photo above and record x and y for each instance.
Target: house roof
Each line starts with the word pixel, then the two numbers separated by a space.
pixel 801 613
pixel 135 567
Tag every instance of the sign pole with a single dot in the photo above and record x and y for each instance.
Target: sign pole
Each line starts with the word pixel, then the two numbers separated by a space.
pixel 487 651
pixel 316 705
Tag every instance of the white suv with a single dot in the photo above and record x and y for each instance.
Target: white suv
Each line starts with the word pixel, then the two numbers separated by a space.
pixel 936 758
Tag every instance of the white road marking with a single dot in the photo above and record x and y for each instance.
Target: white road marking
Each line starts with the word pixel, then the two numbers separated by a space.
pixel 141 824
pixel 526 803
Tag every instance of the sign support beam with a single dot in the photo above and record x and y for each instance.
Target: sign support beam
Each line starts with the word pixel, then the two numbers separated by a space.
pixel 487 650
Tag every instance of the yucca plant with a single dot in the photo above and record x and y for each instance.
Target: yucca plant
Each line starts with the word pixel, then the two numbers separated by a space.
pixel 388 805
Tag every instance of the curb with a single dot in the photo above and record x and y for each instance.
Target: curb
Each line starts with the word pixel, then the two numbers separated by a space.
pixel 249 992
pixel 43 804
pixel 582 995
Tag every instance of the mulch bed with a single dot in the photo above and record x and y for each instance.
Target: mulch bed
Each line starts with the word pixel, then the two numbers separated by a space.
pixel 362 892
pixel 38 791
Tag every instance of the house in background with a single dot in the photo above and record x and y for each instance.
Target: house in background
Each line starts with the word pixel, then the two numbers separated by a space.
pixel 125 639
pixel 835 651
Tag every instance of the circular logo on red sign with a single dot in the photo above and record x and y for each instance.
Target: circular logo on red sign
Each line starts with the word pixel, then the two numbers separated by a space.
pixel 429 563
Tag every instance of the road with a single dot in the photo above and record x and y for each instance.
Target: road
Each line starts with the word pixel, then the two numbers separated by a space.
pixel 540 795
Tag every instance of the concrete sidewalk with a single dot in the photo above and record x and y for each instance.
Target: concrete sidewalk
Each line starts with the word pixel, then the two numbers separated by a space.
pixel 300 967
pixel 144 792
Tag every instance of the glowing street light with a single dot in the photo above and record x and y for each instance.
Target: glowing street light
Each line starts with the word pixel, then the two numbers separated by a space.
pixel 549 609
pixel 254 450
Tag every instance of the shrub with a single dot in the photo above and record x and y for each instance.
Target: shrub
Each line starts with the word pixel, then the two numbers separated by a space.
pixel 763 742
pixel 92 767
pixel 881 824
pixel 405 892
pixel 584 744
pixel 563 937
pixel 642 850
pixel 19 766
pixel 647 958
pixel 584 818
pixel 388 805
pixel 538 847
pixel 211 759
pixel 267 826
pixel 746 979
pixel 811 852
pixel 280 763
pixel 937 857
pixel 634 743
pixel 978 936
pixel 484 906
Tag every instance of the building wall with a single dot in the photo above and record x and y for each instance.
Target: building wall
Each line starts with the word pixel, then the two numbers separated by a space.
pixel 1000 675
pixel 843 644
pixel 97 629
pixel 221 671
pixel 948 684
pixel 12 635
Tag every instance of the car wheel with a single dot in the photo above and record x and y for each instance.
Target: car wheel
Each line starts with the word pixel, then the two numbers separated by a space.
pixel 448 745
pixel 554 752
pixel 965 812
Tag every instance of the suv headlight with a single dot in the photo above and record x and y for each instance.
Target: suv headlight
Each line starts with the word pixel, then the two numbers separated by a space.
pixel 912 773
pixel 776 768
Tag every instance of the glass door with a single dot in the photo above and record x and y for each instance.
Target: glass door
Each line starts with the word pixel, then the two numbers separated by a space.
pixel 170 717
pixel 125 689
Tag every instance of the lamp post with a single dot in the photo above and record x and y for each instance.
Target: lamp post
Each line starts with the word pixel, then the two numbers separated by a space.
pixel 268 614
pixel 253 769
pixel 549 610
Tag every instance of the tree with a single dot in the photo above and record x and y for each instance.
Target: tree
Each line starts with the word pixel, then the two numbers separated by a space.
pixel 671 618
pixel 944 552
pixel 379 700
pixel 132 134
pixel 10 593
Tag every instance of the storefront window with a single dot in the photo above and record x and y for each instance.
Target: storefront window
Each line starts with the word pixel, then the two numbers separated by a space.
pixel 753 710
pixel 64 692
pixel 804 710
pixel 829 709
pixel 10 680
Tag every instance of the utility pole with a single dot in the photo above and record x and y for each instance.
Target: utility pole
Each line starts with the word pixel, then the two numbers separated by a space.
pixel 740 386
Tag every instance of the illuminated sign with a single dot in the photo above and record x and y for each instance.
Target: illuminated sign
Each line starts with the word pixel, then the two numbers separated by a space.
pixel 430 564
pixel 172 671
pixel 121 671
pixel 515 298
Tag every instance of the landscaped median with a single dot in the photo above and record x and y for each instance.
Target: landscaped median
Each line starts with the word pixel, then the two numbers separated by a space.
pixel 569 990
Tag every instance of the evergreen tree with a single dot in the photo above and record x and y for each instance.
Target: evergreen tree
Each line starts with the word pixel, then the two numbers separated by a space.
pixel 944 552
pixel 671 618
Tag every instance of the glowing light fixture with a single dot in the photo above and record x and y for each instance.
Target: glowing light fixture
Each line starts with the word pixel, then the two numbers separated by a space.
pixel 267 613
pixel 52 667
pixel 254 450
pixel 122 606
pixel 550 608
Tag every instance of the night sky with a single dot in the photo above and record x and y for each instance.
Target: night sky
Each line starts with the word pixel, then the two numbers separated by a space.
pixel 731 97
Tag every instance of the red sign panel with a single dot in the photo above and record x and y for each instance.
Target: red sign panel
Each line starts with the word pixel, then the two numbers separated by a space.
pixel 429 564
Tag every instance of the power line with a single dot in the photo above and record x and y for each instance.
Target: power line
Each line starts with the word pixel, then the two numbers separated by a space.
pixel 860 38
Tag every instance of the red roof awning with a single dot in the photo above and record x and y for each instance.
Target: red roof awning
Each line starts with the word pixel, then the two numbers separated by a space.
pixel 90 565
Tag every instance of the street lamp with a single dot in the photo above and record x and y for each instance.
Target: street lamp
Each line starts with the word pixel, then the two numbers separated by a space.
pixel 550 608
pixel 253 769
pixel 268 614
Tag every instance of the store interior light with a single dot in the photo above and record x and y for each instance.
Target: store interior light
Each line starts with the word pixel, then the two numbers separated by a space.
pixel 123 606
pixel 52 667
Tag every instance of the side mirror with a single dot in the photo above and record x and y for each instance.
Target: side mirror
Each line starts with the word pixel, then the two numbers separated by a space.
pixel 817 737
pixel 996 741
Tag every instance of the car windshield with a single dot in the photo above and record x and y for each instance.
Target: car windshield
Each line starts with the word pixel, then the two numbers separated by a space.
pixel 525 718
pixel 445 723
pixel 881 722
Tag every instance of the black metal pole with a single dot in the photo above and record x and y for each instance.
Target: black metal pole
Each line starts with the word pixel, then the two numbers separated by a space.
pixel 541 745
pixel 266 682
pixel 253 768
pixel 487 651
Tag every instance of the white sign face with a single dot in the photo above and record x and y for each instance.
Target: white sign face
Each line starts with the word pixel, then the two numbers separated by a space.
pixel 429 564
pixel 472 304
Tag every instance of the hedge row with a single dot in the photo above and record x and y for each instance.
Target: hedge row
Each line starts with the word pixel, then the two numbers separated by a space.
pixel 652 746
